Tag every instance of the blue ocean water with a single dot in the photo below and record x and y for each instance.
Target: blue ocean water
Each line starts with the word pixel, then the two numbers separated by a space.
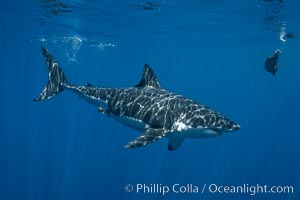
pixel 210 51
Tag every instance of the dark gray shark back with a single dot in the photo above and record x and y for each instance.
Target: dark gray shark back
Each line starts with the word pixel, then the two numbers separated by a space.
pixel 160 109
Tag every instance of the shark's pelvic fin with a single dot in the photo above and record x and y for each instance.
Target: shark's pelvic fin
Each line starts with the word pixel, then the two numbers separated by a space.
pixel 149 136
pixel 56 78
pixel 148 78
pixel 175 142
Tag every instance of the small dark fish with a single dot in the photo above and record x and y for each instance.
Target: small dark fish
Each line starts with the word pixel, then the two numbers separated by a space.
pixel 145 7
pixel 149 6
pixel 290 35
pixel 271 64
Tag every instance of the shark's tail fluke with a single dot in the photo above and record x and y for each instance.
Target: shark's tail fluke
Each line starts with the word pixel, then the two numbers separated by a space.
pixel 56 78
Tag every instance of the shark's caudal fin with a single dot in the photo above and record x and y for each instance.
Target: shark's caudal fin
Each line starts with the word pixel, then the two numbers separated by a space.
pixel 56 78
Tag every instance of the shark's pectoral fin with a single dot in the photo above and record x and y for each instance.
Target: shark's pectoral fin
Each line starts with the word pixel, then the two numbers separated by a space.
pixel 148 137
pixel 175 142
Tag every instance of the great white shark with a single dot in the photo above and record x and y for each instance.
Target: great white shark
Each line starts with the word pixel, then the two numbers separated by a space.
pixel 147 107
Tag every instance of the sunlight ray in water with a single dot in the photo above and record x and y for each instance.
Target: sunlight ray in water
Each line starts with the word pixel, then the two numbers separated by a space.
pixel 73 44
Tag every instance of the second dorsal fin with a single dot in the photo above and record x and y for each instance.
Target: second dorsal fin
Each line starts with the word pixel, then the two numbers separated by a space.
pixel 149 78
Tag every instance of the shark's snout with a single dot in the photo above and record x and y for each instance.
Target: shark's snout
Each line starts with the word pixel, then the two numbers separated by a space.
pixel 235 127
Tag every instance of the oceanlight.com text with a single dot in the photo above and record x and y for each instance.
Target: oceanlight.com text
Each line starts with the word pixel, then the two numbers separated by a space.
pixel 164 189
pixel 249 189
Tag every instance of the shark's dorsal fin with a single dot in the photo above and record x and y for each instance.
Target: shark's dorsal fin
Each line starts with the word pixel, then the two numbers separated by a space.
pixel 149 78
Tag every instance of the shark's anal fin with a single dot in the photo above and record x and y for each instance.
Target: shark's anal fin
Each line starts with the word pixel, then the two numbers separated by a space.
pixel 175 142
pixel 148 137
